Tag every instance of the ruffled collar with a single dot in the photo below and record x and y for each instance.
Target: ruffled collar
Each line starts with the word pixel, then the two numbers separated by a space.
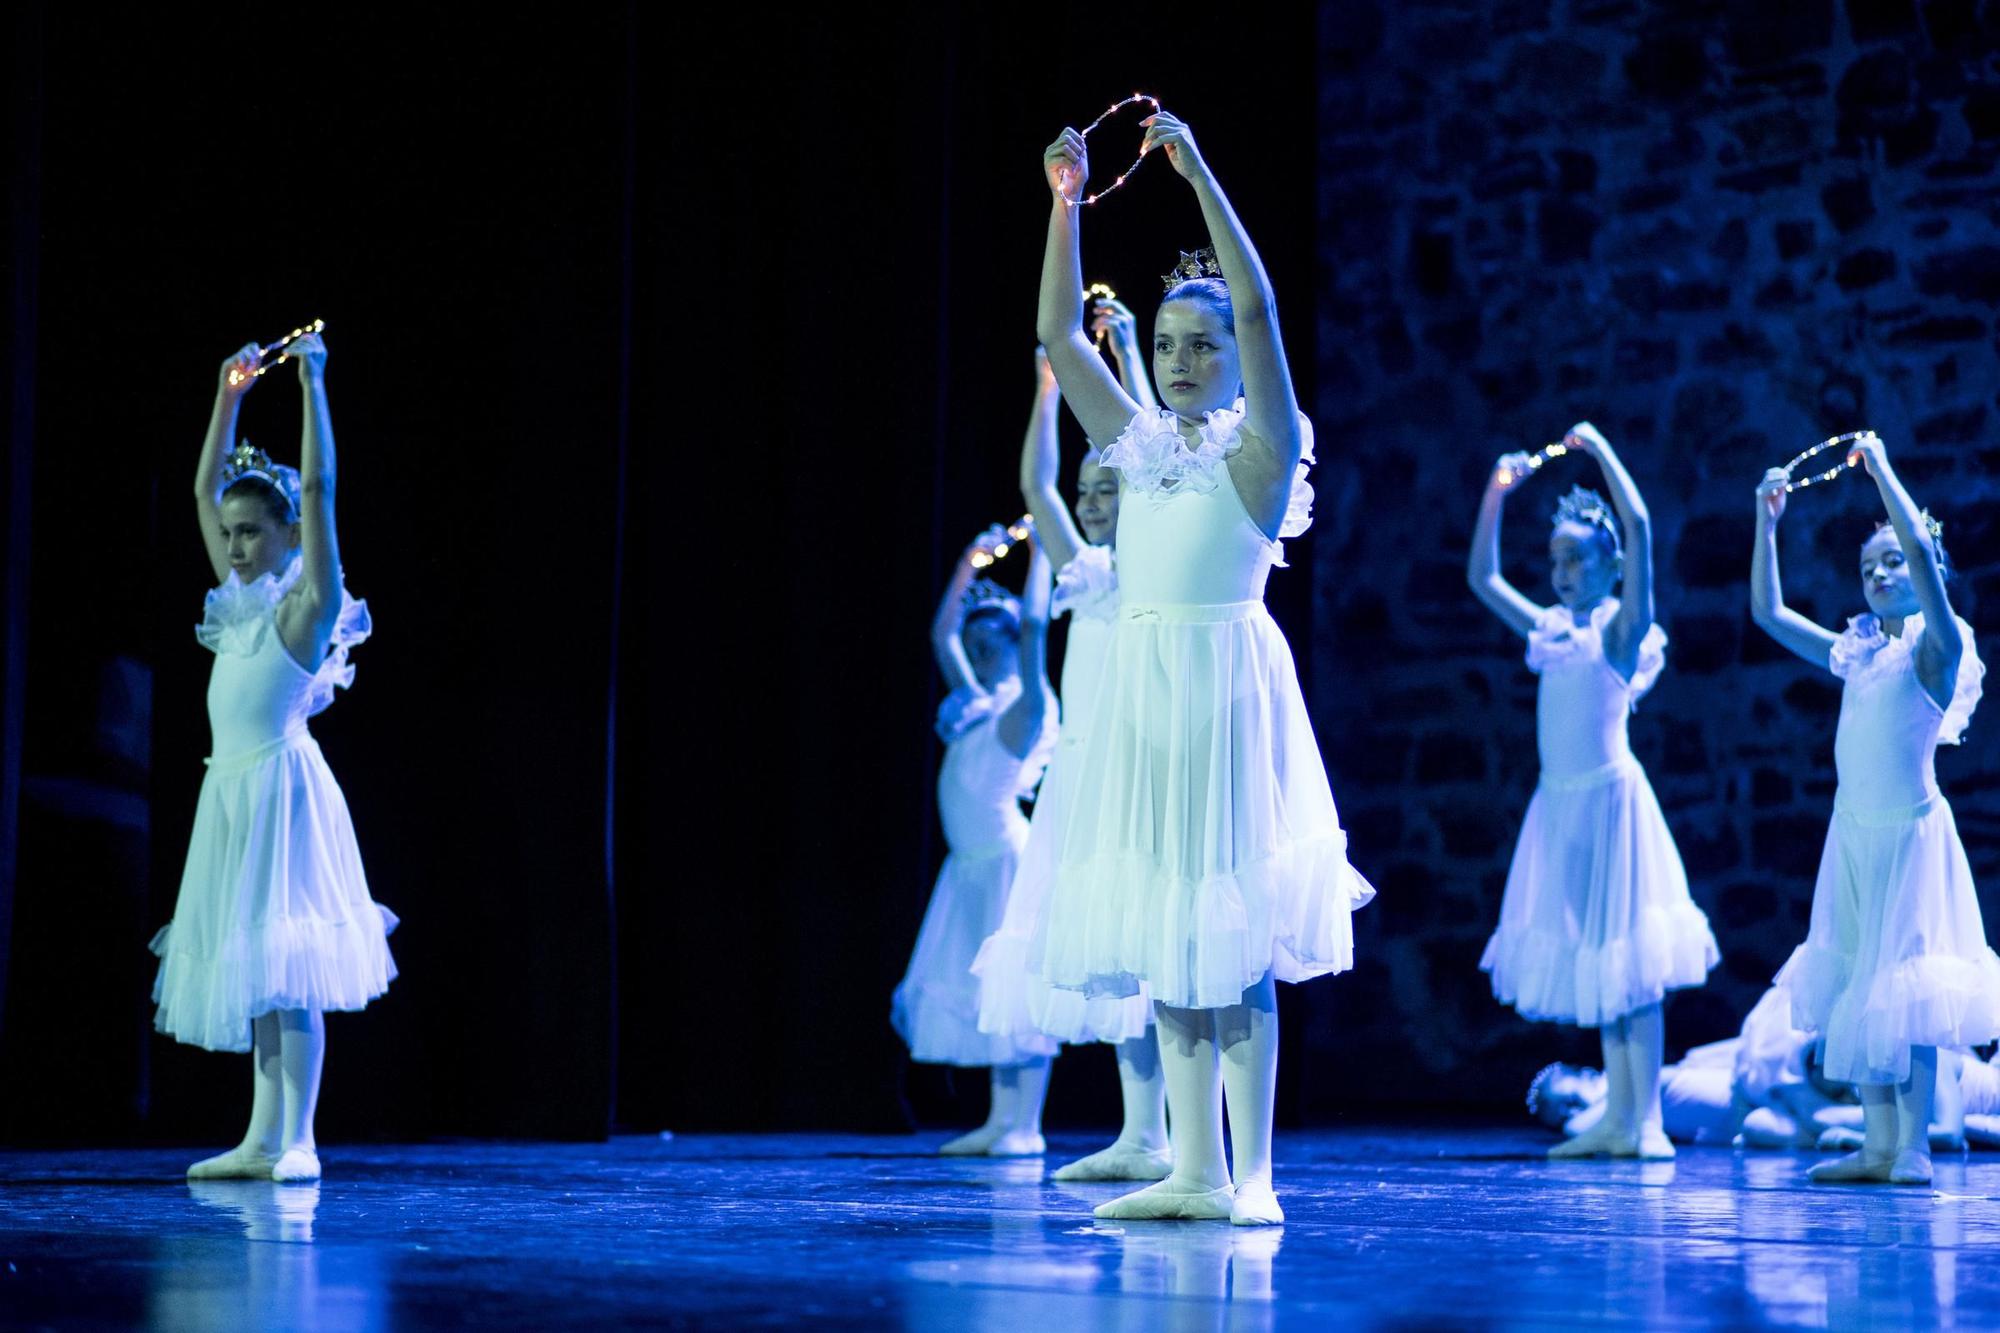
pixel 1557 637
pixel 237 617
pixel 1088 585
pixel 1864 650
pixel 1153 458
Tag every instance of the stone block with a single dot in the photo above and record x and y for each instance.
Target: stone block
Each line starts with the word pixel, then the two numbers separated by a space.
pixel 1642 360
pixel 1966 425
pixel 1788 846
pixel 1877 20
pixel 1794 237
pixel 1847 203
pixel 1732 242
pixel 1472 830
pixel 1565 231
pixel 1768 34
pixel 1876 93
pixel 1709 852
pixel 1705 644
pixel 1864 268
pixel 1450 756
pixel 1770 787
pixel 1669 65
pixel 1969 272
pixel 1746 902
pixel 1738 347
pixel 1712 550
pixel 1576 172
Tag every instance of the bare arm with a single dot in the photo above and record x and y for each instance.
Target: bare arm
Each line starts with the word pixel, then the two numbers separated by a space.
pixel 1767 595
pixel 1041 464
pixel 1271 409
pixel 1635 599
pixel 1100 404
pixel 1937 654
pixel 215 448
pixel 1482 566
pixel 1021 725
pixel 307 623
pixel 945 642
pixel 1114 321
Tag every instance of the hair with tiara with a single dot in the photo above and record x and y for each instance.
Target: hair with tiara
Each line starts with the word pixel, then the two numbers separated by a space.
pixel 1946 569
pixel 1585 506
pixel 1198 277
pixel 250 470
pixel 985 598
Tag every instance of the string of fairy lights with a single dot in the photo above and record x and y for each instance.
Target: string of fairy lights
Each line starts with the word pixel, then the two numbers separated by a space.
pixel 1847 461
pixel 276 354
pixel 1536 460
pixel 1017 532
pixel 1135 99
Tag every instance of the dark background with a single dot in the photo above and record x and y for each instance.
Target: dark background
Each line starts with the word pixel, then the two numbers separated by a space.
pixel 674 359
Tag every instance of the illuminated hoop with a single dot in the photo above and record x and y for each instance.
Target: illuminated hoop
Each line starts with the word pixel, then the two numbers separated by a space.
pixel 1536 460
pixel 265 359
pixel 1020 530
pixel 1099 291
pixel 1109 112
pixel 1816 478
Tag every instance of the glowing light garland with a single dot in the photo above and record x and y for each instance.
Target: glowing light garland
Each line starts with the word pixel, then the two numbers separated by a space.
pixel 1020 530
pixel 1535 461
pixel 264 363
pixel 1820 448
pixel 1126 174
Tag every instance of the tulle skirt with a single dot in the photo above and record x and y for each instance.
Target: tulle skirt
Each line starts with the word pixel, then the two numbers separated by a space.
pixel 1596 920
pixel 1013 999
pixel 274 911
pixel 936 1008
pixel 1896 955
pixel 1202 849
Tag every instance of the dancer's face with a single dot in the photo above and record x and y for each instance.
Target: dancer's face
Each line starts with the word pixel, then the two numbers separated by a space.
pixel 1096 501
pixel 257 541
pixel 1195 362
pixel 991 648
pixel 1581 569
pixel 1885 577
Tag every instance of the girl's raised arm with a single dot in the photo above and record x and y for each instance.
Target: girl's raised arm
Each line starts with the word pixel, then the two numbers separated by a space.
pixel 1767 595
pixel 1114 321
pixel 1938 654
pixel 1635 598
pixel 1104 408
pixel 1271 410
pixel 215 448
pixel 319 541
pixel 1482 566
pixel 945 641
pixel 1021 725
pixel 1041 463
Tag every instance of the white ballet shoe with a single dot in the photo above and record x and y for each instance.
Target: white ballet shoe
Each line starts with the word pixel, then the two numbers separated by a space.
pixel 1857 1168
pixel 1648 1145
pixel 1170 1201
pixel 297 1166
pixel 974 1144
pixel 1256 1205
pixel 1840 1139
pixel 1018 1143
pixel 1912 1166
pixel 1600 1140
pixel 239 1163
pixel 1121 1161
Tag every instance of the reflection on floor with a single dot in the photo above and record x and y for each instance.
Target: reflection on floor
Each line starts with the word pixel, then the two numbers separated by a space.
pixel 1410 1227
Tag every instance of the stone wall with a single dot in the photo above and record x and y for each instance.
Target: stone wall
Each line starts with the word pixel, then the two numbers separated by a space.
pixel 1721 232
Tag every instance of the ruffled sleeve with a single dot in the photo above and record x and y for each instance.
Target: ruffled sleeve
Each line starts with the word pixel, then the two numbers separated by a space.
pixel 1856 646
pixel 1964 695
pixel 1556 637
pixel 1652 651
pixel 1552 639
pixel 351 627
pixel 1088 585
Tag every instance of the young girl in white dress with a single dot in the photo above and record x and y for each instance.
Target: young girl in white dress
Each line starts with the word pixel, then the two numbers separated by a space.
pixel 1895 962
pixel 274 925
pixel 998 735
pixel 1011 999
pixel 1202 857
pixel 1596 924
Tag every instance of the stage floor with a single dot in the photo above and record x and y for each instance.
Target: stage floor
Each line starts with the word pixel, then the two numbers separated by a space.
pixel 1405 1228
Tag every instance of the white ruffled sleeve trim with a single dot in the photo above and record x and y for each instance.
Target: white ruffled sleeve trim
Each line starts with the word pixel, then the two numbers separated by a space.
pixel 1088 585
pixel 1965 694
pixel 1556 637
pixel 1152 457
pixel 236 616
pixel 1864 643
pixel 1856 646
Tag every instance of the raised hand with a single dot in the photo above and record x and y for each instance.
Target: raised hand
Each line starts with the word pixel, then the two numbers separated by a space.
pixel 1066 164
pixel 1113 318
pixel 1871 453
pixel 239 371
pixel 1771 494
pixel 979 552
pixel 1167 131
pixel 1585 438
pixel 1509 471
pixel 309 350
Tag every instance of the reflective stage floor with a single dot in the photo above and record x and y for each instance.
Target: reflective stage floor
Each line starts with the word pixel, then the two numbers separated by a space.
pixel 1389 1228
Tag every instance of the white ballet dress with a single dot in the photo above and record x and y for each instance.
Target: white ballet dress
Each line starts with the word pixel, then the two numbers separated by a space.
pixel 1201 849
pixel 1596 920
pixel 980 785
pixel 1012 998
pixel 1896 955
pixel 274 911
